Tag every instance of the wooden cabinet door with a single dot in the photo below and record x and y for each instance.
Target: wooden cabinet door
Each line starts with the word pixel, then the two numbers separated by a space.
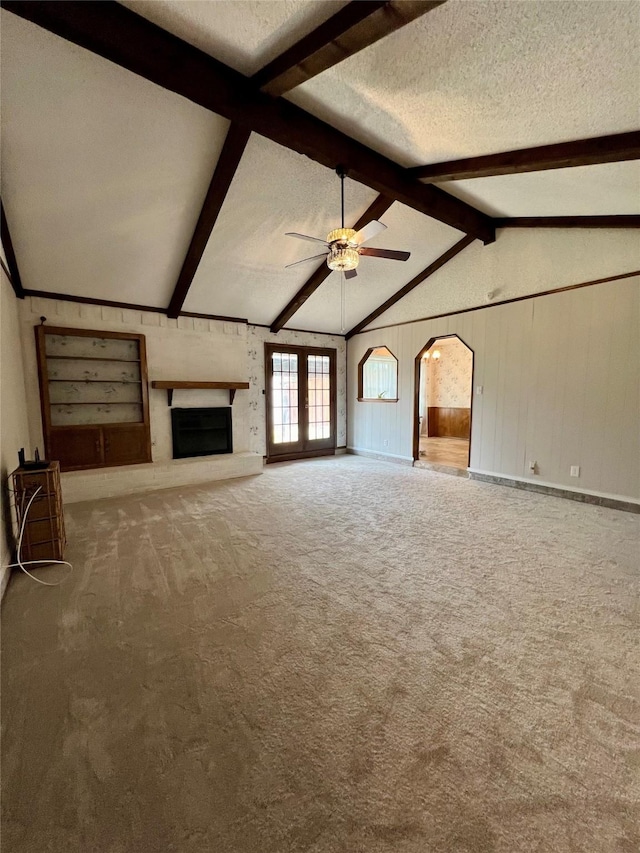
pixel 76 447
pixel 126 444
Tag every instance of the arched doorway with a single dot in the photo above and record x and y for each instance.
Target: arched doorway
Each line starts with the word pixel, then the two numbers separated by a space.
pixel 443 402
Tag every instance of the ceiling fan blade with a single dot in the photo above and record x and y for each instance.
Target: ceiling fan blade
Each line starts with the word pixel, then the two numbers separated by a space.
pixel 306 237
pixel 350 273
pixel 304 260
pixel 374 227
pixel 391 254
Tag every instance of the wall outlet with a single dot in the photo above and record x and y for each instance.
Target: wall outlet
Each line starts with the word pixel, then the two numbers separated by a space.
pixel 385 443
pixel 479 390
pixel 533 466
pixel 575 471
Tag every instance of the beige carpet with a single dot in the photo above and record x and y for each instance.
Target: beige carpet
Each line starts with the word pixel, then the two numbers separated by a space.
pixel 340 655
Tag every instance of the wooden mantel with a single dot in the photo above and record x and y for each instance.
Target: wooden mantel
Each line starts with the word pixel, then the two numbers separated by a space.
pixel 171 384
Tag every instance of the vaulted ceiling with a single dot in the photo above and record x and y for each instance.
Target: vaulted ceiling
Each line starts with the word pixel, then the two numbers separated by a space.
pixel 155 177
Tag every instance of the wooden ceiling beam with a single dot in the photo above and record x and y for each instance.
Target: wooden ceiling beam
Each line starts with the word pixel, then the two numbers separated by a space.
pixel 375 210
pixel 122 37
pixel 13 273
pixel 582 152
pixel 354 27
pixel 568 222
pixel 398 295
pixel 232 151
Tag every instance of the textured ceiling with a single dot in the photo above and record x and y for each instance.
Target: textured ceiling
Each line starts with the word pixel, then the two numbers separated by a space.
pixel 104 173
pixel 378 278
pixel 274 191
pixel 478 77
pixel 608 189
pixel 245 35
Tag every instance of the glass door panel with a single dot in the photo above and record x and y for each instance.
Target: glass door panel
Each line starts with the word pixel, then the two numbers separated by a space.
pixel 319 396
pixel 285 398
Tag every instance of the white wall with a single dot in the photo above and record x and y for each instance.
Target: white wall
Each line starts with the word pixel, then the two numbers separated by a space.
pixel 560 387
pixel 14 432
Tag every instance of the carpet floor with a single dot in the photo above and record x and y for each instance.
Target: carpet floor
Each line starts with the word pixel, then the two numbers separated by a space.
pixel 338 656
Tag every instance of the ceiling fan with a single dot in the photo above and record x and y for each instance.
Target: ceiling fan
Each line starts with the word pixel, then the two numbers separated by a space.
pixel 344 245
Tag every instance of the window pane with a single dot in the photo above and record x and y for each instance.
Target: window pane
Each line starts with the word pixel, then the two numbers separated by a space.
pixel 284 398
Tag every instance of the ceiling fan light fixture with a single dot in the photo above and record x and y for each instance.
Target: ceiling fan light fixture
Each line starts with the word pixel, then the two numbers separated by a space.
pixel 342 258
pixel 343 235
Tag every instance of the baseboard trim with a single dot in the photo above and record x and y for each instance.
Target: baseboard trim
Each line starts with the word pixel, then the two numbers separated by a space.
pixel 583 496
pixel 383 457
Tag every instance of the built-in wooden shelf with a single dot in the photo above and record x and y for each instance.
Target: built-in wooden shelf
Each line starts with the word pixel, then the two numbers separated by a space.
pixel 170 385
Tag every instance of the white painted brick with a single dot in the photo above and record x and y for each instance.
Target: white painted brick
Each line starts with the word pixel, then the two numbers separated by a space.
pixel 91 313
pixel 149 319
pixel 131 317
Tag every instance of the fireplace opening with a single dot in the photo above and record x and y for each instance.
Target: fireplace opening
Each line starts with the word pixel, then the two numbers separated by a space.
pixel 201 432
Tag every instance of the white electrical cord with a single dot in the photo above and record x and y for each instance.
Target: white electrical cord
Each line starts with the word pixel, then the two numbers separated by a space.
pixel 36 562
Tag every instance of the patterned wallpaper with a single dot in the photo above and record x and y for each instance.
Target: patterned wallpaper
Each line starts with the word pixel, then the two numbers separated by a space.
pixel 257 336
pixel 450 376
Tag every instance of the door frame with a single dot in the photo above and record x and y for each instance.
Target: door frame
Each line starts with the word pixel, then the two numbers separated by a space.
pixel 416 392
pixel 302 352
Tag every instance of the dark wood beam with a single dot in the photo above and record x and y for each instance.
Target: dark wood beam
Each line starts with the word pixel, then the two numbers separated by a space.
pixel 568 222
pixel 563 155
pixel 398 295
pixel 13 272
pixel 129 306
pixel 232 151
pixel 354 27
pixel 121 36
pixel 374 211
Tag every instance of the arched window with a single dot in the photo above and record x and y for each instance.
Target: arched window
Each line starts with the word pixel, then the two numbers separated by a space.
pixel 378 376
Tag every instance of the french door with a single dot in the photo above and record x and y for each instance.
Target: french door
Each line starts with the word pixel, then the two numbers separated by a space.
pixel 300 402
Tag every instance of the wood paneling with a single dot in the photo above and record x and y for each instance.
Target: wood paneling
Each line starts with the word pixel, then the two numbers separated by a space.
pixel 449 422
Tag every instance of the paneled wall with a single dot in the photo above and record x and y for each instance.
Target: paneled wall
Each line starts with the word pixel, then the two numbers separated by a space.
pixel 555 382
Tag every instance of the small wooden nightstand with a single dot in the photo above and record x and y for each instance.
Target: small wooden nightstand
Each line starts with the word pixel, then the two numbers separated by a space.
pixel 44 536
